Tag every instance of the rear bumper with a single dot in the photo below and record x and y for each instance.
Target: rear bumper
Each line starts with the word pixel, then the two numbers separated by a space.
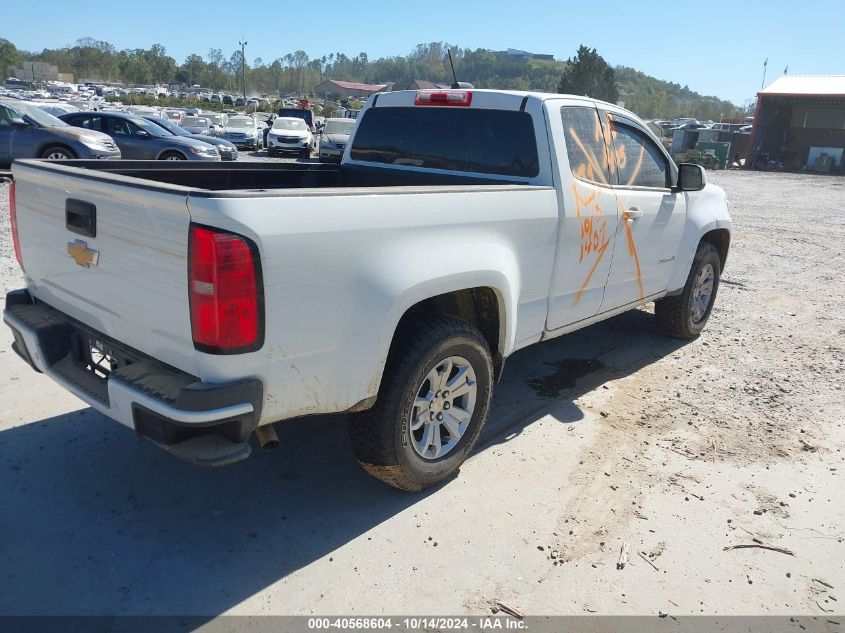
pixel 208 424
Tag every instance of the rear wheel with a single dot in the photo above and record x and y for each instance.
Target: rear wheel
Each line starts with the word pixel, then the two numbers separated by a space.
pixel 172 156
pixel 431 407
pixel 685 315
pixel 58 152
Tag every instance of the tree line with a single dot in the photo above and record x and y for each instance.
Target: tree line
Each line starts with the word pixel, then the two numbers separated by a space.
pixel 298 73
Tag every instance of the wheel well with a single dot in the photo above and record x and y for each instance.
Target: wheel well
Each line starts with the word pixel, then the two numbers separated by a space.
pixel 478 306
pixel 721 240
pixel 50 144
pixel 167 152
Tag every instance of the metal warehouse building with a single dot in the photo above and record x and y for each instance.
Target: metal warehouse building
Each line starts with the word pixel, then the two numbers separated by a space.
pixel 799 125
pixel 333 89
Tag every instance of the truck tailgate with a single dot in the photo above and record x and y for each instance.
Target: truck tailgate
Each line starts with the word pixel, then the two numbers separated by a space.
pixel 126 278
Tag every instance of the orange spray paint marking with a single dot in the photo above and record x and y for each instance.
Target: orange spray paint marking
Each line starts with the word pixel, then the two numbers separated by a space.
pixel 622 161
pixel 593 234
pixel 635 172
pixel 594 171
pixel 592 270
pixel 632 251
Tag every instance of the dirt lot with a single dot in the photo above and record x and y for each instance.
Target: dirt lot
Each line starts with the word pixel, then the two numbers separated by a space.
pixel 608 436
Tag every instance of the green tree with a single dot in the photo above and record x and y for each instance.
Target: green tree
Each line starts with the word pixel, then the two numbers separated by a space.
pixel 9 56
pixel 194 70
pixel 588 74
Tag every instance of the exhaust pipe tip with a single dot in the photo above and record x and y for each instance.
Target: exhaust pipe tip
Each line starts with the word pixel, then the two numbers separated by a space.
pixel 267 438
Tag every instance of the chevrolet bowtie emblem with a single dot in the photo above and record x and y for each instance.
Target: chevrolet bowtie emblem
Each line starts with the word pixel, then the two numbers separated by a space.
pixel 81 254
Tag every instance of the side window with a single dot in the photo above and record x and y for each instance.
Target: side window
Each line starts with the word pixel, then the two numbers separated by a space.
pixel 585 144
pixel 5 116
pixel 118 127
pixel 89 122
pixel 639 162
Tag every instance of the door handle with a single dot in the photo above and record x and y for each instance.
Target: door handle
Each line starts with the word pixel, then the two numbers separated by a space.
pixel 632 214
pixel 81 217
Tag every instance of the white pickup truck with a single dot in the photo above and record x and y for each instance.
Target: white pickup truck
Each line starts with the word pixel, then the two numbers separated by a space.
pixel 197 305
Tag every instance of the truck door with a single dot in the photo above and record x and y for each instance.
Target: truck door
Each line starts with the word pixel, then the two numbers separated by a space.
pixel 652 215
pixel 588 216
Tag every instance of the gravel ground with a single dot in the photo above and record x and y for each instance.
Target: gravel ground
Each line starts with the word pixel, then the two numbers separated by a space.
pixel 609 437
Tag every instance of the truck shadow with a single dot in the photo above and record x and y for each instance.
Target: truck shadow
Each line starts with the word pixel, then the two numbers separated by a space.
pixel 97 522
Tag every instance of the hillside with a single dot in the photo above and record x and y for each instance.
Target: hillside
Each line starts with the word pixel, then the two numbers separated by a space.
pixel 298 73
pixel 657 99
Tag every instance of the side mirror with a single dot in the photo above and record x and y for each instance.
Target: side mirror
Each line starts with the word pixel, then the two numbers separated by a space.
pixel 18 122
pixel 142 134
pixel 691 177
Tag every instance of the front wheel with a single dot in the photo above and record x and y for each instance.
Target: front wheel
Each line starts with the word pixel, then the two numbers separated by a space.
pixel 431 407
pixel 685 315
pixel 173 156
pixel 57 152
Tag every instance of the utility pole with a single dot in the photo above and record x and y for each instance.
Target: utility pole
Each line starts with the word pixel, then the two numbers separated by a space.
pixel 765 64
pixel 243 65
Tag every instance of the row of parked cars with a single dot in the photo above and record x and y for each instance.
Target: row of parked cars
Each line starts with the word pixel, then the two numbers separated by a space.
pixel 685 123
pixel 29 130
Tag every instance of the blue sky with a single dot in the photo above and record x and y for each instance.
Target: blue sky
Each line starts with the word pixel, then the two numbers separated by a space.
pixel 714 47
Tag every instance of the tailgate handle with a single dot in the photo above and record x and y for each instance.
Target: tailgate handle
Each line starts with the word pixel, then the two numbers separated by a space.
pixel 81 217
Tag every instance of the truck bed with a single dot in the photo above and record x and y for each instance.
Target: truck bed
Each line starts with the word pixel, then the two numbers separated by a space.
pixel 107 244
pixel 256 177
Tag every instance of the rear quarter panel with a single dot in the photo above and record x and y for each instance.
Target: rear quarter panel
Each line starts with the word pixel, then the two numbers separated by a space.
pixel 341 270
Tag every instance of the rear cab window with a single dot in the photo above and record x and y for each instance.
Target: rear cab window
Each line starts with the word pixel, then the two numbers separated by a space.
pixel 471 140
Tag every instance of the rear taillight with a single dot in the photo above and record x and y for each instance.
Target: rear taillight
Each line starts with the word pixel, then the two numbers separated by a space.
pixel 224 277
pixel 443 98
pixel 13 217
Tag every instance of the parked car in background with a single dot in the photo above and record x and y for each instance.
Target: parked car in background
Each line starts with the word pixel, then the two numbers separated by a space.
pixel 216 98
pixel 243 132
pixel 692 125
pixel 26 131
pixel 226 149
pixel 139 139
pixel 334 137
pixel 305 115
pixel 227 99
pixel 290 135
pixel 240 101
pixel 218 121
pixel 198 125
pixel 175 115
pixel 56 109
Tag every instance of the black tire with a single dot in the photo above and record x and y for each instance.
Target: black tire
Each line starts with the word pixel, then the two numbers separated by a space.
pixel 675 315
pixel 172 155
pixel 306 153
pixel 58 152
pixel 381 436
